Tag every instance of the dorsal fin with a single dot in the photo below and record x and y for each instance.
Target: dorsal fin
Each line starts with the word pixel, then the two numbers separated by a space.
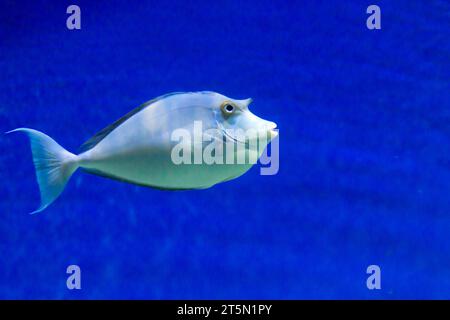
pixel 99 136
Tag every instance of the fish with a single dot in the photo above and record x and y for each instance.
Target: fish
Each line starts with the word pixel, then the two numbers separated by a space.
pixel 177 141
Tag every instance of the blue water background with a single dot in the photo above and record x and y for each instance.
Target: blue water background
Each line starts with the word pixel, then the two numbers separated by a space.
pixel 364 119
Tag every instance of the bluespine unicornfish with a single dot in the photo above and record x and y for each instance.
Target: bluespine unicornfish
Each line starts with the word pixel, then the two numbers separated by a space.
pixel 178 141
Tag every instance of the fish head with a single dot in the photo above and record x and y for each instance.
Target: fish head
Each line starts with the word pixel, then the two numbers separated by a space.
pixel 238 123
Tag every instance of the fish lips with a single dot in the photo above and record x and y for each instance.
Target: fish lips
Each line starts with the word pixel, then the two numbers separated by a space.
pixel 272 130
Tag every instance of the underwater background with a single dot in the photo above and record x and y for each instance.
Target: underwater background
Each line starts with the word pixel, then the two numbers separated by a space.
pixel 364 120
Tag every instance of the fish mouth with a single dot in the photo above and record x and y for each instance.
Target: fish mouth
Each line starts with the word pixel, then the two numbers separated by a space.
pixel 272 130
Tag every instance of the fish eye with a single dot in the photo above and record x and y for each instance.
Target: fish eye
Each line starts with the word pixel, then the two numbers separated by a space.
pixel 228 108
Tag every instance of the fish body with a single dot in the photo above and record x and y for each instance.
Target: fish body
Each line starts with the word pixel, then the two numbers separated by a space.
pixel 140 147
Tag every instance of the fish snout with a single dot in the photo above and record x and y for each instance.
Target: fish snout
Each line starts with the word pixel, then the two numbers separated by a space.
pixel 261 125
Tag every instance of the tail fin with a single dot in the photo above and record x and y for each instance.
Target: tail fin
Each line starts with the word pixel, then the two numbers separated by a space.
pixel 54 165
